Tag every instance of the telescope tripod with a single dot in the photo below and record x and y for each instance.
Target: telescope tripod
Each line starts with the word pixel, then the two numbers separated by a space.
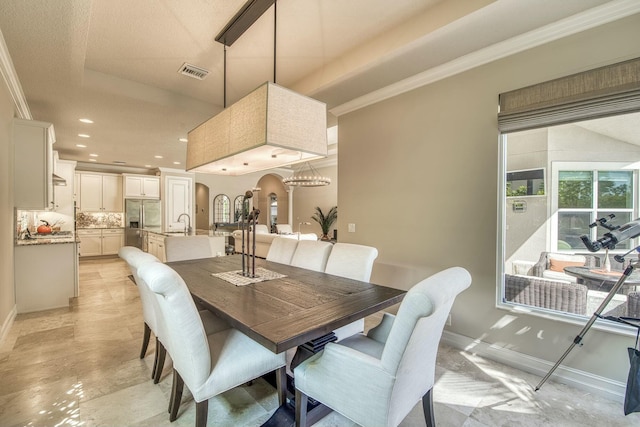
pixel 578 339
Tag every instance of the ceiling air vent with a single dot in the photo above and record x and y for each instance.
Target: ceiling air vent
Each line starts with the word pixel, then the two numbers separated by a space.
pixel 193 71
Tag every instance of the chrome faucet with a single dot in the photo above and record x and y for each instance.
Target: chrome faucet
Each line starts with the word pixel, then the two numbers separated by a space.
pixel 188 225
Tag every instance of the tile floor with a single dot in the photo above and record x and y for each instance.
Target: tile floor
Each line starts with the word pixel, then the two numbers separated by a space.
pixel 80 367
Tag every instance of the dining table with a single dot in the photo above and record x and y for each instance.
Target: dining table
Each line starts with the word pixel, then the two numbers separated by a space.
pixel 283 307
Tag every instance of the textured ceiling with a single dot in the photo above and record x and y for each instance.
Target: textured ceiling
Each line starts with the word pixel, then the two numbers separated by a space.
pixel 116 61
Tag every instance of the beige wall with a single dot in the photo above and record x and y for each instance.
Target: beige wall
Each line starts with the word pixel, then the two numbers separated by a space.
pixel 7 294
pixel 305 201
pixel 419 177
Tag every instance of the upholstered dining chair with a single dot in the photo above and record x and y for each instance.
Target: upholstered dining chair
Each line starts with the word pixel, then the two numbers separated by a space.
pixel 353 262
pixel 207 364
pixel 180 248
pixel 151 312
pixel 311 254
pixel 282 250
pixel 135 258
pixel 376 379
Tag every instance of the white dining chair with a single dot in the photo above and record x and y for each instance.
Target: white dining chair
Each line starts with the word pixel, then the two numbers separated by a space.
pixel 282 250
pixel 376 379
pixel 180 248
pixel 353 262
pixel 136 258
pixel 151 312
pixel 207 364
pixel 311 254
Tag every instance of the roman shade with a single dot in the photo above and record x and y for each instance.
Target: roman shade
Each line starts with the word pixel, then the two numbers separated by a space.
pixel 610 90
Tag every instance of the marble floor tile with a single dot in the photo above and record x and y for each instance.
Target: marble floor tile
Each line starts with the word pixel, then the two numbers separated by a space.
pixel 80 366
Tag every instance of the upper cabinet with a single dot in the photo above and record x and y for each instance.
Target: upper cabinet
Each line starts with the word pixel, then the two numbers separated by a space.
pixel 33 164
pixel 64 196
pixel 141 187
pixel 178 201
pixel 100 192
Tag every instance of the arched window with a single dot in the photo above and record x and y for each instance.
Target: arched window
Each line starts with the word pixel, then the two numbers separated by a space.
pixel 221 209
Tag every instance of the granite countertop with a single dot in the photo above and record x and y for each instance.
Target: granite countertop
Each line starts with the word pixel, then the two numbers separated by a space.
pixel 158 231
pixel 44 241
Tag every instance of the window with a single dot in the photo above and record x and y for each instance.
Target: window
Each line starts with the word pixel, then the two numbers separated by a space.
pixel 585 196
pixel 221 209
pixel 584 130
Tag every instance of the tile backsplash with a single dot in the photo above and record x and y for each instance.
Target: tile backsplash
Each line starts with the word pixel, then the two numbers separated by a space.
pixel 30 220
pixel 99 220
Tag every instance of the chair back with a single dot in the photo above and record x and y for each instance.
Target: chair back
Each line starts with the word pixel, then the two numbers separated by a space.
pixel 180 248
pixel 311 254
pixel 282 250
pixel 351 261
pixel 412 345
pixel 137 258
pixel 186 340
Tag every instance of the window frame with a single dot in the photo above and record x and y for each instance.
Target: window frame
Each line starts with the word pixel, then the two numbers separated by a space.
pixel 554 210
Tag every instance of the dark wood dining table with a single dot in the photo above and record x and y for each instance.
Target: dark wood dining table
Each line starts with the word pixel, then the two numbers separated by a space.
pixel 300 309
pixel 286 312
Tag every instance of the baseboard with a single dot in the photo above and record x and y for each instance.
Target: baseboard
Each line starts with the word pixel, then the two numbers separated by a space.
pixel 7 323
pixel 582 380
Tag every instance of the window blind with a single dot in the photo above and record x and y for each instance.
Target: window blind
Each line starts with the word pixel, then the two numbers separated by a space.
pixel 610 90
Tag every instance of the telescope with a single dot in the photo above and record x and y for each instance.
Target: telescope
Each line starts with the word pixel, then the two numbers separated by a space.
pixel 617 235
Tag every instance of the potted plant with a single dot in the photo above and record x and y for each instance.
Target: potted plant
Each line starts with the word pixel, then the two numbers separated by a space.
pixel 325 221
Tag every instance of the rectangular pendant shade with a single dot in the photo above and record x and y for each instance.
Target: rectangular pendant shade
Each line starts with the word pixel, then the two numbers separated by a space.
pixel 270 127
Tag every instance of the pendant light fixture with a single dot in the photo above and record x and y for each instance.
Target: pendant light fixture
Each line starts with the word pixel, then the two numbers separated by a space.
pixel 270 127
pixel 306 176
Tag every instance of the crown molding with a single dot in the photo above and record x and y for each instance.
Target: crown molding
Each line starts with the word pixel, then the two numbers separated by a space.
pixel 13 83
pixel 609 12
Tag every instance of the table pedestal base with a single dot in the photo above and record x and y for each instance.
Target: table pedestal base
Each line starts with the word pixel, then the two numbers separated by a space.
pixel 285 415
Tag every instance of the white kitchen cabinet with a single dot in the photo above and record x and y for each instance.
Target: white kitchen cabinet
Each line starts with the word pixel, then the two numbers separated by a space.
pixel 178 199
pixel 97 242
pixel 46 276
pixel 155 246
pixel 100 192
pixel 33 164
pixel 64 194
pixel 141 187
pixel 112 241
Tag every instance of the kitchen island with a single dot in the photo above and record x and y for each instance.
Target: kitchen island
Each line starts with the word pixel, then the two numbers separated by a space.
pixel 46 272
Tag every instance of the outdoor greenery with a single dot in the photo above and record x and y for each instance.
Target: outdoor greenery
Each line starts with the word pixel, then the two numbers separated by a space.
pixel 325 221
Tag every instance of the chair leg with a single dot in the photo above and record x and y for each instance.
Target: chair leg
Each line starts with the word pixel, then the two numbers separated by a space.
pixel 281 384
pixel 202 408
pixel 162 353
pixel 427 408
pixel 145 340
pixel 301 409
pixel 176 396
pixel 155 359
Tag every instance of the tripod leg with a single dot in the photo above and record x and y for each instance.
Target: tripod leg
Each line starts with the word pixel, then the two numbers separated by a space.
pixel 578 339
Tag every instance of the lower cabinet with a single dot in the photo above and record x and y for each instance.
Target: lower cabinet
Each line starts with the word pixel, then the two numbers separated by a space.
pixel 96 242
pixel 155 246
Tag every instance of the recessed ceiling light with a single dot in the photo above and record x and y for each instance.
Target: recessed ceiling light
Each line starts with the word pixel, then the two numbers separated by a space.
pixel 84 135
pixel 86 121
pixel 93 155
pixel 147 166
pixel 183 140
pixel 158 157
pixel 92 160
pixel 176 163
pixel 81 146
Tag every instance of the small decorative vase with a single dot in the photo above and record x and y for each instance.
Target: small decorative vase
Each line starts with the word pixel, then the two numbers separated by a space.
pixel 607 261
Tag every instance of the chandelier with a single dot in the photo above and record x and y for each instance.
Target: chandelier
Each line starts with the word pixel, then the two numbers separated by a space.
pixel 306 176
